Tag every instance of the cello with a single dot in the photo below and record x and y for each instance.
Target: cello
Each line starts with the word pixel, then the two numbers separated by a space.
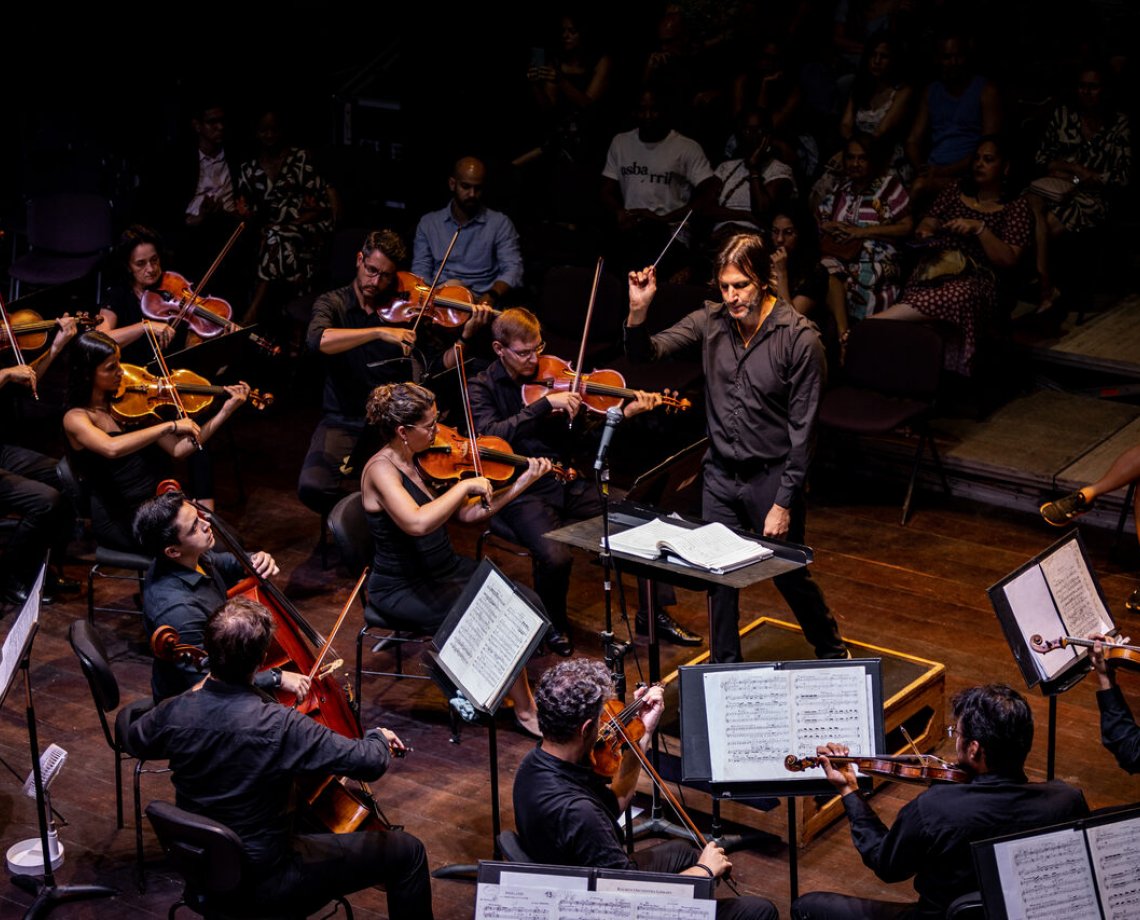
pixel 331 803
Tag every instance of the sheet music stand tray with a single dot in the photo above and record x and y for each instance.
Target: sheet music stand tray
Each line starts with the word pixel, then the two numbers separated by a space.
pixel 587 535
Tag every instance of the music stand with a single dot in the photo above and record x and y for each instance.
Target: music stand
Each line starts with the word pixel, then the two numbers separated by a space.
pixel 16 655
pixel 482 646
pixel 587 535
pixel 212 358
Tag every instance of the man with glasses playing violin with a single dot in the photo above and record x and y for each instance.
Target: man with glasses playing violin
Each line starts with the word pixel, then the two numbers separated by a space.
pixel 930 839
pixel 567 813
pixel 542 429
pixel 186 583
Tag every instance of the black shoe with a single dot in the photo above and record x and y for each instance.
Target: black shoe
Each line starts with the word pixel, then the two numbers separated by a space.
pixel 61 584
pixel 668 629
pixel 1133 602
pixel 14 594
pixel 559 642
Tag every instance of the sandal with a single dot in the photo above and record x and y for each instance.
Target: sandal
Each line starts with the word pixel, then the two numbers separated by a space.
pixel 1060 512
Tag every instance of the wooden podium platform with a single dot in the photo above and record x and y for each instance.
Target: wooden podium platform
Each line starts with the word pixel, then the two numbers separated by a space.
pixel 913 697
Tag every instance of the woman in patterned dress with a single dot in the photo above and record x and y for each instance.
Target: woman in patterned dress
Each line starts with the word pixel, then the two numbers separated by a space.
pixel 281 191
pixel 972 232
pixel 1087 143
pixel 870 206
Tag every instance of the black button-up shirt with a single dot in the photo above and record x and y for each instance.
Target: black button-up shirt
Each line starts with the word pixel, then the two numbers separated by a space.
pixel 234 754
pixel 763 399
pixel 930 839
pixel 1118 729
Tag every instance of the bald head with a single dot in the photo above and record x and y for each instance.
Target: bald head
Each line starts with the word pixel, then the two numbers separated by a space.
pixel 466 184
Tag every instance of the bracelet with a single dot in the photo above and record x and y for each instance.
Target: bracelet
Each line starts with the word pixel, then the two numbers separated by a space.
pixel 706 868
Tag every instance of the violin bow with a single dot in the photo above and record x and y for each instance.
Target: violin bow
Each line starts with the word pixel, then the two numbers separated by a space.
pixel 472 440
pixel 196 292
pixel 676 232
pixel 175 396
pixel 435 280
pixel 19 355
pixel 586 332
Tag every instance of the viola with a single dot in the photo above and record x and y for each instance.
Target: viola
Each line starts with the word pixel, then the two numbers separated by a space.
pixel 903 768
pixel 450 306
pixel 600 390
pixel 1116 654
pixel 174 299
pixel 449 457
pixel 31 331
pixel 142 393
pixel 611 743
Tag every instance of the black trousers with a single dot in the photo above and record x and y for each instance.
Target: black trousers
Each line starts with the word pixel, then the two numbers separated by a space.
pixel 677 855
pixel 744 501
pixel 29 488
pixel 323 477
pixel 324 866
pixel 826 905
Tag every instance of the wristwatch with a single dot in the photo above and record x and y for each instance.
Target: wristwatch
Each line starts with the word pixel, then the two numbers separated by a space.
pixel 276 672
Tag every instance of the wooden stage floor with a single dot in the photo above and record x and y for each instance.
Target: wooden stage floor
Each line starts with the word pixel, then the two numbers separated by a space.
pixel 919 589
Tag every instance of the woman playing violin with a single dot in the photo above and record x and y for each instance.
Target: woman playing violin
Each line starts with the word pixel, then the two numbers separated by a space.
pixel 1118 729
pixel 930 839
pixel 121 468
pixel 416 575
pixel 139 256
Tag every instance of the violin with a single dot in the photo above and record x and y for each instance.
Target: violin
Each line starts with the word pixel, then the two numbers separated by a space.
pixel 449 457
pixel 142 393
pixel 449 306
pixel 611 742
pixel 600 390
pixel 31 331
pixel 903 768
pixel 1116 654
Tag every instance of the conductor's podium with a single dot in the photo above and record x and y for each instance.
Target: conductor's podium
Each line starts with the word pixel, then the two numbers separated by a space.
pixel 913 698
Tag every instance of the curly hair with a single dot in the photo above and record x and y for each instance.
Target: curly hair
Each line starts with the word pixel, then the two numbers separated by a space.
pixel 391 405
pixel 1000 720
pixel 569 694
pixel 388 242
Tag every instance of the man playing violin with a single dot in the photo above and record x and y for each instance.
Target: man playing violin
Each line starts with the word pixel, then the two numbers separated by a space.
pixel 541 430
pixel 362 350
pixel 234 757
pixel 764 371
pixel 486 257
pixel 567 813
pixel 1119 732
pixel 930 839
pixel 186 583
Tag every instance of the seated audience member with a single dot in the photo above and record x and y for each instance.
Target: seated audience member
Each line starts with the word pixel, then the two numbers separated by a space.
pixel 973 232
pixel 234 757
pixel 930 839
pixel 1119 732
pixel 186 583
pixel 567 814
pixel 486 258
pixel 861 225
pixel 801 278
pixel 652 178
pixel 770 83
pixel 954 113
pixel 1088 145
pixel 879 105
pixel 1123 471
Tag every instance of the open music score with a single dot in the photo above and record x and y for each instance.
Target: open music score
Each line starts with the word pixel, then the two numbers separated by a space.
pixel 1085 870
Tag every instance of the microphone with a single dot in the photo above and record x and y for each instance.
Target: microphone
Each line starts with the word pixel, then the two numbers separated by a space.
pixel 614 416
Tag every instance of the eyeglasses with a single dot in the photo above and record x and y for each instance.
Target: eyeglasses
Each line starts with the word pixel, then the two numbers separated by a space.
pixel 952 731
pixel 373 272
pixel 527 353
pixel 429 426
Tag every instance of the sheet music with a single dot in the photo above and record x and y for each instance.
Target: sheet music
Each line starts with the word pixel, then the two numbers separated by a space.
pixel 1115 852
pixel 657 888
pixel 1036 614
pixel 509 879
pixel 758 716
pixel 495 902
pixel 1047 876
pixel 1075 594
pixel 24 625
pixel 489 640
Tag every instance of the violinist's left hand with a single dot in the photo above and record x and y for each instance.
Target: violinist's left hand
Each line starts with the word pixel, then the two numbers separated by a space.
pixel 642 402
pixel 777 522
pixel 843 778
pixel 1096 657
pixel 482 314
pixel 536 468
pixel 651 710
pixel 263 564
pixel 67 329
pixel 297 684
pixel 238 393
